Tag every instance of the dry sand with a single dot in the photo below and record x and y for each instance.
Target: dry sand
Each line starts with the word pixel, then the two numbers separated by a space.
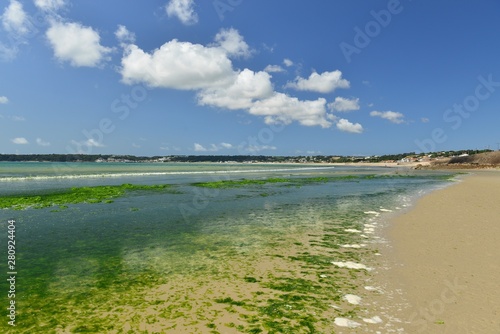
pixel 446 259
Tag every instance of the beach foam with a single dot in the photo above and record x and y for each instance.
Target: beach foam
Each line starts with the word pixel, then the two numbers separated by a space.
pixel 350 265
pixel 373 320
pixel 353 246
pixel 344 322
pixel 352 299
pixel 352 230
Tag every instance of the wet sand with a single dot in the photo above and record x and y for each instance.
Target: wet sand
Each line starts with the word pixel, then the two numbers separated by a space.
pixel 445 259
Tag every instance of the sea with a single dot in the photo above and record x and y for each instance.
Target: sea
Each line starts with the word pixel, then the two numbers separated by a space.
pixel 226 248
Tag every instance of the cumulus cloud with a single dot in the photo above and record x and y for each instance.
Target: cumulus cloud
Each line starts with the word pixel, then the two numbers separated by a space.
pixel 183 10
pixel 325 82
pixel 124 35
pixel 425 120
pixel 177 65
pixel 231 41
pixel 14 19
pixel 392 116
pixel 343 104
pixel 274 69
pixel 77 44
pixel 212 148
pixel 209 71
pixel 248 87
pixel 4 100
pixel 346 126
pixel 20 141
pixel 50 5
pixel 41 142
pixel 281 108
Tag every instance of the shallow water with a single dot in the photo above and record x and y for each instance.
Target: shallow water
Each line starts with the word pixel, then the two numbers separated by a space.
pixel 228 260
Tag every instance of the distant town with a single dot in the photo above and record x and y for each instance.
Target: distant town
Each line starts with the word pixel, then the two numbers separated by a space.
pixel 401 158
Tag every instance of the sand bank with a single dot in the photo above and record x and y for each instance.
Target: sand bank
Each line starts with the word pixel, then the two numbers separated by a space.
pixel 445 258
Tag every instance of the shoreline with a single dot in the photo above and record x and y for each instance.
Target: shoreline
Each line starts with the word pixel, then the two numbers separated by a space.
pixel 442 259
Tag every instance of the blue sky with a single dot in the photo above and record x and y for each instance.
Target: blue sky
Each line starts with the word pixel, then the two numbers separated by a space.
pixel 249 77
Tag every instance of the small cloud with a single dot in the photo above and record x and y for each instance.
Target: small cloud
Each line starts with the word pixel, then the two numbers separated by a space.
pixel 274 69
pixel 392 116
pixel 41 142
pixel 325 82
pixel 366 83
pixel 88 143
pixel 8 53
pixel 18 118
pixel 212 147
pixel 183 10
pixel 93 143
pixel 50 5
pixel 425 120
pixel 343 104
pixel 124 35
pixel 134 145
pixel 346 126
pixel 199 148
pixel 257 148
pixel 14 19
pixel 20 141
pixel 233 43
pixel 287 62
pixel 4 100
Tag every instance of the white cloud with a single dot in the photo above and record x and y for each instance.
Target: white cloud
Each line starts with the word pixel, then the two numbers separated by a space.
pixel 50 5
pixel 18 118
pixel 343 104
pixel 209 71
pixel 392 116
pixel 14 18
pixel 178 65
pixel 234 44
pixel 325 82
pixel 88 143
pixel 274 69
pixel 77 44
pixel 124 35
pixel 287 62
pixel 183 10
pixel 425 120
pixel 199 148
pixel 281 108
pixel 212 147
pixel 241 94
pixel 346 126
pixel 20 141
pixel 256 148
pixel 7 53
pixel 41 142
pixel 4 100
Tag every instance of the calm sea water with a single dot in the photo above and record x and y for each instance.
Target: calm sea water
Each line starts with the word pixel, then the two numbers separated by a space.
pixel 82 268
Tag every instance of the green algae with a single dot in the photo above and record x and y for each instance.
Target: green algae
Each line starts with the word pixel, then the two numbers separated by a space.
pixel 92 195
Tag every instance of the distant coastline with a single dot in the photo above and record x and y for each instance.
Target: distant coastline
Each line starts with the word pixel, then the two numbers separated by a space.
pixel 434 159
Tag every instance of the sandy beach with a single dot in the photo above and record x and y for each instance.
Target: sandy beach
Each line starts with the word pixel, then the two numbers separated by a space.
pixel 445 259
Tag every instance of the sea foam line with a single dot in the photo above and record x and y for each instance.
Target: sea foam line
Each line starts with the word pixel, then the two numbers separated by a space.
pixel 90 176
